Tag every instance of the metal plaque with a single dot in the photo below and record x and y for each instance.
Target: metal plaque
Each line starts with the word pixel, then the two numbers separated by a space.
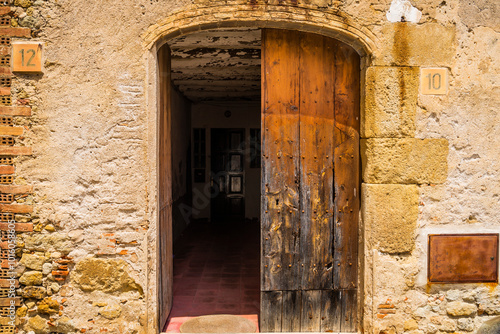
pixel 463 258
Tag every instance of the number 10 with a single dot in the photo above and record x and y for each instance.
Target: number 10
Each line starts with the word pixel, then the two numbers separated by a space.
pixel 434 81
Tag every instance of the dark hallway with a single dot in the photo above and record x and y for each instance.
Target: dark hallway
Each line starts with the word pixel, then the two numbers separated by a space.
pixel 216 271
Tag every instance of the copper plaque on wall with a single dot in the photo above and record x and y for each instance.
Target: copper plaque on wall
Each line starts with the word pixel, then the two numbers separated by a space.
pixel 463 258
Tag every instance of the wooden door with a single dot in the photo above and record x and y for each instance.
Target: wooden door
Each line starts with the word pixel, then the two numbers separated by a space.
pixel 310 183
pixel 165 262
pixel 227 175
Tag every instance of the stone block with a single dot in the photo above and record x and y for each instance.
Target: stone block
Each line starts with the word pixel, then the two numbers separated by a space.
pixel 458 309
pixel 410 325
pixel 65 325
pixel 33 261
pixel 107 275
pixel 404 160
pixel 48 306
pixel 48 242
pixel 465 324
pixel 110 312
pixel 408 44
pixel 391 102
pixel 31 278
pixel 38 325
pixel 390 213
pixel 37 292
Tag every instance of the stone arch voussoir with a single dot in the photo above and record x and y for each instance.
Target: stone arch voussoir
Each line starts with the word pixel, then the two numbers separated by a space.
pixel 193 18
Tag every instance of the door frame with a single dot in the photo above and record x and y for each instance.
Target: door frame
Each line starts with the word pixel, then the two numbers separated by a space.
pixel 336 25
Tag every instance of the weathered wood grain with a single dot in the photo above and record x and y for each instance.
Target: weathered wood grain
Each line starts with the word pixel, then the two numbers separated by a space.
pixel 292 308
pixel 331 311
pixel 280 171
pixel 316 170
pixel 311 311
pixel 347 167
pixel 165 195
pixel 349 311
pixel 310 183
pixel 271 304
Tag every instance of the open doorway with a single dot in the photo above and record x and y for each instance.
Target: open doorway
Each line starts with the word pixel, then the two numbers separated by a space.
pixel 215 166
pixel 310 178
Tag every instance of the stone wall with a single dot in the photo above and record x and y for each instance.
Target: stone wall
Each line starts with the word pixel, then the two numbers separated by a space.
pixel 83 170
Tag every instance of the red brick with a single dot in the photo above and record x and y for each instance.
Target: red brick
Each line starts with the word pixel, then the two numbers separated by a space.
pixel 19 227
pixel 11 130
pixel 386 311
pixel 5 70
pixel 5 50
pixel 5 283
pixel 15 208
pixel 7 169
pixel 16 150
pixel 6 301
pixel 23 102
pixel 15 32
pixel 386 306
pixel 15 111
pixel 5 10
pixel 60 272
pixel 13 189
pixel 5 91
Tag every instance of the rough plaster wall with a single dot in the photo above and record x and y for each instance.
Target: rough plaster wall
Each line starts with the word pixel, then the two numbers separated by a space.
pixel 90 168
pixel 91 138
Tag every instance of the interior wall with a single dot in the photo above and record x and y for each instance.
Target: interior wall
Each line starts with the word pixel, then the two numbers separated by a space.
pixel 181 162
pixel 243 115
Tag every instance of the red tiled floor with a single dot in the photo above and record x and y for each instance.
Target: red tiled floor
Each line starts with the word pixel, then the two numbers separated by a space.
pixel 216 271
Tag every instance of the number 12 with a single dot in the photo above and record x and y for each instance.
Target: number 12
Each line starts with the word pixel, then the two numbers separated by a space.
pixel 33 52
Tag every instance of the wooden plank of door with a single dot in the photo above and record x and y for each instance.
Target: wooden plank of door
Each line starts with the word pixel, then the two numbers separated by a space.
pixel 331 311
pixel 280 165
pixel 346 167
pixel 311 311
pixel 316 170
pixel 165 261
pixel 271 310
pixel 292 306
pixel 349 311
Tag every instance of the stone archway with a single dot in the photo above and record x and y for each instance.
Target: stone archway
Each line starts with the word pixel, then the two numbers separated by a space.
pixel 199 18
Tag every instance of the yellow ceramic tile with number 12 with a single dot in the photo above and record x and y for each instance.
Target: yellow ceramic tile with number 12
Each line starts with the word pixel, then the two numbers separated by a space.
pixel 27 57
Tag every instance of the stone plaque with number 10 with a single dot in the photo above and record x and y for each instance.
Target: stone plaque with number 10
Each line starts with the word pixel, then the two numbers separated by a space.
pixel 434 81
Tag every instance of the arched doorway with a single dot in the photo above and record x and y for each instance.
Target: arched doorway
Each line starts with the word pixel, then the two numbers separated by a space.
pixel 310 182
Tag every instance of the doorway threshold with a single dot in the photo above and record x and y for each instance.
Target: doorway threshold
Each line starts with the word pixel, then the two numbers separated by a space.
pixel 176 322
